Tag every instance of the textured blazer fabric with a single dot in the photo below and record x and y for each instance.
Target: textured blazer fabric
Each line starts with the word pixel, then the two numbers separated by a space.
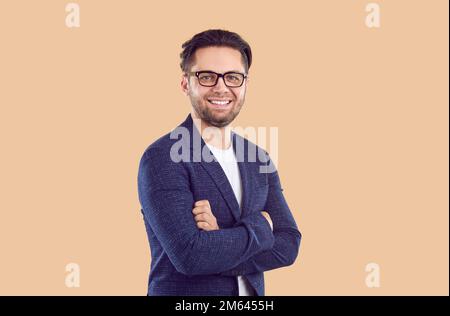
pixel 186 260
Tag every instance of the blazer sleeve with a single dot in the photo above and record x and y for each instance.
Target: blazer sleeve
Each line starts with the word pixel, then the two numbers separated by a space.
pixel 285 230
pixel 167 202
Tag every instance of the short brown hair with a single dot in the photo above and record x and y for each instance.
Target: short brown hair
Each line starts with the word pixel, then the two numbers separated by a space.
pixel 215 38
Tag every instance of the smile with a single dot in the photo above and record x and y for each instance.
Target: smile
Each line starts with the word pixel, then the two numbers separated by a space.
pixel 219 102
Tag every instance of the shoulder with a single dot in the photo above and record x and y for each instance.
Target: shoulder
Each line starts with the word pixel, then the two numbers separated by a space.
pixel 159 148
pixel 158 169
pixel 162 148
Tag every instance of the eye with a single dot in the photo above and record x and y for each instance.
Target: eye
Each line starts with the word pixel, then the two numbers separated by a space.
pixel 233 78
pixel 207 77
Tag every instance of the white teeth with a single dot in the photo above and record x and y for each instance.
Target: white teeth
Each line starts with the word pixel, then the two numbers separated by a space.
pixel 219 102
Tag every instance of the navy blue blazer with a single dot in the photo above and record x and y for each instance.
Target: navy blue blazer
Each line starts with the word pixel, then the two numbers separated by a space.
pixel 188 261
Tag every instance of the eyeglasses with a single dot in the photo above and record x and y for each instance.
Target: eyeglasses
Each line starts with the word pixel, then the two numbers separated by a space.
pixel 208 78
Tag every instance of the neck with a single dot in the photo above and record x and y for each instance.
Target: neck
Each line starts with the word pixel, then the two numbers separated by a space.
pixel 219 137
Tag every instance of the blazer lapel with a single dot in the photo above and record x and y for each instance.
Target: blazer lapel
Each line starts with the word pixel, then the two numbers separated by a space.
pixel 214 169
pixel 220 179
pixel 242 159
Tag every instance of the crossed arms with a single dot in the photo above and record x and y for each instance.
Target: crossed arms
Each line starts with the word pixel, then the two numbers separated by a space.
pixel 249 246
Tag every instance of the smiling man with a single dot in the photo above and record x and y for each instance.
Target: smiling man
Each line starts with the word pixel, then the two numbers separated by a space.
pixel 214 224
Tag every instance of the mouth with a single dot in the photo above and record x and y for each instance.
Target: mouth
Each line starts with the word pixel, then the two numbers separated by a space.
pixel 220 103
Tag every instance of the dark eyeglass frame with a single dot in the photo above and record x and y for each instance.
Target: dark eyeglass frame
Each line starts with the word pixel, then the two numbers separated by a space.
pixel 198 73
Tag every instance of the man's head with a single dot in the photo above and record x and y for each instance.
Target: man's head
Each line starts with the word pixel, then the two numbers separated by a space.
pixel 215 65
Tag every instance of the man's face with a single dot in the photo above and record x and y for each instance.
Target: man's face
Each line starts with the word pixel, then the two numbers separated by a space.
pixel 207 102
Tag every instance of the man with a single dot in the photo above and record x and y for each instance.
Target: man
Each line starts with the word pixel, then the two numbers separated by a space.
pixel 216 219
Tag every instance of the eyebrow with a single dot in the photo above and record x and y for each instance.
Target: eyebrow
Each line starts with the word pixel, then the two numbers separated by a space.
pixel 238 71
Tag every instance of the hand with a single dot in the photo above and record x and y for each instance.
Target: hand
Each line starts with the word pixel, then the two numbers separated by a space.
pixel 267 216
pixel 204 216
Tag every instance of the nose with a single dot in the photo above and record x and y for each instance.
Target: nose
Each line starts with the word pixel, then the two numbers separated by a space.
pixel 220 86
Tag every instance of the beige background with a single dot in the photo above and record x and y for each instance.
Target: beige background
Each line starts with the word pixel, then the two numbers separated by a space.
pixel 362 116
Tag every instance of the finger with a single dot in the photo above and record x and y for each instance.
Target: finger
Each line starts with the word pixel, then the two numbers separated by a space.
pixel 201 209
pixel 202 202
pixel 203 225
pixel 198 210
pixel 202 217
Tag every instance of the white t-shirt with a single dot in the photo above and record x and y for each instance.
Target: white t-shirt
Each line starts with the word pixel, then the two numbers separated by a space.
pixel 228 162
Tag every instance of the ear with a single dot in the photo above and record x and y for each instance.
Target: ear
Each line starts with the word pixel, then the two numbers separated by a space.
pixel 184 84
pixel 246 82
